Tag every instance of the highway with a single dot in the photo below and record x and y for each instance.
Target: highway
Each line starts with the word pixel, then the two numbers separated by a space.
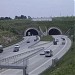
pixel 23 47
pixel 38 63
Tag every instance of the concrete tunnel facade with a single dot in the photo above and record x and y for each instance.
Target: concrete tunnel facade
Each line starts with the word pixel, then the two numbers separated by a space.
pixel 31 32
pixel 34 31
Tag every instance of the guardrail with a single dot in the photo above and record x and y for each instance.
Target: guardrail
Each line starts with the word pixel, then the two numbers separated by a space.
pixel 16 65
pixel 29 56
pixel 53 60
pixel 6 61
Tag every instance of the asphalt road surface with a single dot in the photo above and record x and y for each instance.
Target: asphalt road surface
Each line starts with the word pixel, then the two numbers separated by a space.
pixel 38 63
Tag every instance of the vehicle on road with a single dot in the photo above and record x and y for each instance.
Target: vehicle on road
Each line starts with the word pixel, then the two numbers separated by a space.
pixel 48 53
pixel 1 48
pixel 63 39
pixel 16 48
pixel 36 38
pixel 42 53
pixel 54 42
pixel 63 43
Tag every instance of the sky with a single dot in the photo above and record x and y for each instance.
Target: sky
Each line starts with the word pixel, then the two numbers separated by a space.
pixel 36 8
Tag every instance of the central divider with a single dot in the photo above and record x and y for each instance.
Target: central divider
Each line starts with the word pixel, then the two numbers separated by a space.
pixel 16 65
pixel 8 60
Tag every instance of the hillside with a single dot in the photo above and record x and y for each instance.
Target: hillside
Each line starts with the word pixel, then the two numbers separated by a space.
pixel 17 27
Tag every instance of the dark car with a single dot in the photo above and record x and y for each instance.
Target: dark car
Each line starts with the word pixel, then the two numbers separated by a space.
pixel 1 48
pixel 28 41
pixel 63 39
pixel 35 39
pixel 54 42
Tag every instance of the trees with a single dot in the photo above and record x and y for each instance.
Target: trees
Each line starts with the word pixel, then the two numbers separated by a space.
pixel 29 17
pixel 5 18
pixel 20 17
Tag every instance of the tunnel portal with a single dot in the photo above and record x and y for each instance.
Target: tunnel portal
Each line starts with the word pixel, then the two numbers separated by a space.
pixel 31 32
pixel 54 31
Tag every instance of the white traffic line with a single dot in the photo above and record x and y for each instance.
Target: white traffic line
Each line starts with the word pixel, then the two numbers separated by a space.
pixel 49 60
pixel 42 64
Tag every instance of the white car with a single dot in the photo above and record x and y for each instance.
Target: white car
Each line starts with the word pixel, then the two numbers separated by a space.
pixel 48 53
pixel 16 48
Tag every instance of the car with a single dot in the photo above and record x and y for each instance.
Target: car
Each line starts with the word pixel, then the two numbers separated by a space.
pixel 55 42
pixel 42 53
pixel 63 43
pixel 16 48
pixel 35 39
pixel 1 48
pixel 28 41
pixel 48 53
pixel 63 39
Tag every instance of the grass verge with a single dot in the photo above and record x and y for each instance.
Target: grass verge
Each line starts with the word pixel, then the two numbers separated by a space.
pixel 46 38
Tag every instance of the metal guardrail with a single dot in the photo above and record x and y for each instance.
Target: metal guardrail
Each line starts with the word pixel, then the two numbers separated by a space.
pixel 16 65
pixel 7 61
pixel 29 56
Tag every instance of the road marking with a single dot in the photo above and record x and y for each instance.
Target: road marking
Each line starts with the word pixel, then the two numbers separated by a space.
pixel 48 60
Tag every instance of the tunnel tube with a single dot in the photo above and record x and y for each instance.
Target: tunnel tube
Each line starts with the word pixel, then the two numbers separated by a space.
pixel 31 32
pixel 54 31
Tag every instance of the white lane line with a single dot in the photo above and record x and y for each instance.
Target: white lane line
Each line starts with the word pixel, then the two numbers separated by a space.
pixel 48 60
pixel 35 57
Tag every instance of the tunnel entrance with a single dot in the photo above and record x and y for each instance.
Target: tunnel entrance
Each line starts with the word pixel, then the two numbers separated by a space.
pixel 54 31
pixel 31 32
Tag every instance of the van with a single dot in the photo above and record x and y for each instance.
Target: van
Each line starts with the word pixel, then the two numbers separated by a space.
pixel 16 48
pixel 48 53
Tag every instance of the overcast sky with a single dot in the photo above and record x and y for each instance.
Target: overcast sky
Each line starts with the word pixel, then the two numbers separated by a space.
pixel 36 8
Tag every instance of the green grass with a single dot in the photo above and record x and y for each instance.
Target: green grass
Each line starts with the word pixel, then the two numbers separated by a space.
pixel 8 38
pixel 19 26
pixel 46 38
